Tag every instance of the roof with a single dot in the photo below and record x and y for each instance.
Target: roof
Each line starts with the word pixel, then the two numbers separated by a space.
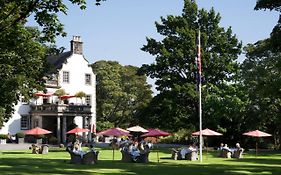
pixel 58 60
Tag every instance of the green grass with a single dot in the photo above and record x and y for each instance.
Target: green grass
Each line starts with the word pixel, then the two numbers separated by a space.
pixel 57 162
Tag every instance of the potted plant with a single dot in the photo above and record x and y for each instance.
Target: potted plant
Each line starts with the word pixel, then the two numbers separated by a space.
pixel 80 95
pixel 20 137
pixel 39 138
pixel 59 93
pixel 3 138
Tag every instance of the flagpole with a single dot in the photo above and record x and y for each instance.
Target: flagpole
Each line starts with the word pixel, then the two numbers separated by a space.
pixel 200 101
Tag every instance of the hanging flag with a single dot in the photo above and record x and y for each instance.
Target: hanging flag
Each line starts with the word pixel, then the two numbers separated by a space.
pixel 198 59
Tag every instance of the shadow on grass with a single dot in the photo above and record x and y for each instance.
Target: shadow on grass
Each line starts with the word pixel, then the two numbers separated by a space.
pixel 39 165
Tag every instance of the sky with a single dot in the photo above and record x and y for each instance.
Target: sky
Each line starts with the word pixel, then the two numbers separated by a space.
pixel 117 29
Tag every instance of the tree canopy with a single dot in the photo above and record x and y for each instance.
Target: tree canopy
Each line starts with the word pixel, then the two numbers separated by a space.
pixel 121 93
pixel 174 68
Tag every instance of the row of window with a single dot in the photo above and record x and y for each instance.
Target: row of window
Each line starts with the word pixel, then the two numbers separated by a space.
pixel 66 75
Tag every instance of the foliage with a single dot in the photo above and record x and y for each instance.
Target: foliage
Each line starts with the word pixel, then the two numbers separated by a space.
pixel 23 49
pixel 53 140
pixel 121 94
pixel 174 69
pixel 20 135
pixel 103 125
pixel 60 92
pixel 261 73
pixel 3 136
pixel 80 94
pixel 275 37
pixel 40 136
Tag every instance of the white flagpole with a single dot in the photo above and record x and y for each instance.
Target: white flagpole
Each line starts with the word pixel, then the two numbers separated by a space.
pixel 200 102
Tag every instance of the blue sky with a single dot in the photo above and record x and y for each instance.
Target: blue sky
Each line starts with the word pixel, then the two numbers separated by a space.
pixel 117 29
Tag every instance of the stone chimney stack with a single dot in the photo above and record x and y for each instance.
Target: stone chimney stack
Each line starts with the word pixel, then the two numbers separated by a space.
pixel 76 45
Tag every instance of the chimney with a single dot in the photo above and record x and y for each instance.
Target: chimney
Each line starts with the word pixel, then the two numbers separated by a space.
pixel 76 45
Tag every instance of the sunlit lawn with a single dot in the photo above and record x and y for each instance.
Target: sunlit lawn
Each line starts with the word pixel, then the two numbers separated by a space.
pixel 57 162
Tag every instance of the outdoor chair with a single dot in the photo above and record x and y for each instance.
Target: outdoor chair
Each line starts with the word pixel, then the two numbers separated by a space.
pixel 238 153
pixel 226 153
pixel 90 157
pixel 143 158
pixel 44 149
pixel 74 158
pixel 176 155
pixel 126 156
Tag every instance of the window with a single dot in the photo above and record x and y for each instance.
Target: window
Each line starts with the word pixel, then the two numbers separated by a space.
pixel 24 122
pixel 88 79
pixel 65 77
pixel 88 99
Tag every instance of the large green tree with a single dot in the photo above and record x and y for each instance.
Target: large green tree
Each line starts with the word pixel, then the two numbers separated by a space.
pixel 261 73
pixel 23 49
pixel 121 93
pixel 174 69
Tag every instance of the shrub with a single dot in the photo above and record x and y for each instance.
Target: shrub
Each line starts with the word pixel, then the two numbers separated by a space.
pixel 40 136
pixel 3 136
pixel 53 140
pixel 20 135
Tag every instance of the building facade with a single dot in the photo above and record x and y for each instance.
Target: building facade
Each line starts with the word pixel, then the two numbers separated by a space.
pixel 72 74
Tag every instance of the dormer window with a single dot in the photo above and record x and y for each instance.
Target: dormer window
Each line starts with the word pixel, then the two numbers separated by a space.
pixel 88 79
pixel 65 77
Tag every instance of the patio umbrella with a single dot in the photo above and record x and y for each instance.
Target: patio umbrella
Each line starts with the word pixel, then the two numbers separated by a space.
pixel 137 128
pixel 37 131
pixel 64 97
pixel 207 132
pixel 77 130
pixel 41 94
pixel 114 132
pixel 256 133
pixel 156 133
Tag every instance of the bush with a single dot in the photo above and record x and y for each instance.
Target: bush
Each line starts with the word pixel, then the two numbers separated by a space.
pixel 20 135
pixel 53 140
pixel 3 136
pixel 40 136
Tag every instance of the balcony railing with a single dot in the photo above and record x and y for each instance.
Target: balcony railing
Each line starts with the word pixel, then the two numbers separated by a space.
pixel 61 108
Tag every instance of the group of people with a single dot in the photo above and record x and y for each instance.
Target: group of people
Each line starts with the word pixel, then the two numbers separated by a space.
pixel 135 148
pixel 231 152
pixel 186 150
pixel 76 148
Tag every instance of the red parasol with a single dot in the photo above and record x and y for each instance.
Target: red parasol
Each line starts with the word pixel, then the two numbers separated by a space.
pixel 76 130
pixel 256 133
pixel 41 94
pixel 137 128
pixel 63 97
pixel 37 131
pixel 207 132
pixel 114 132
pixel 155 133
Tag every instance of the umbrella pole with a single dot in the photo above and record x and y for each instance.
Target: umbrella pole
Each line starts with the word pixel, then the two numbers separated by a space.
pixel 113 152
pixel 256 148
pixel 157 150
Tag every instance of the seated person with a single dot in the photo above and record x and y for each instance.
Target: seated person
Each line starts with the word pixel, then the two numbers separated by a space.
pixel 78 151
pixel 225 147
pixel 134 151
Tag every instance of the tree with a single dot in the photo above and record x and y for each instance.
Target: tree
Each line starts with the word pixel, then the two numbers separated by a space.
pixel 174 68
pixel 261 72
pixel 276 32
pixel 23 49
pixel 121 94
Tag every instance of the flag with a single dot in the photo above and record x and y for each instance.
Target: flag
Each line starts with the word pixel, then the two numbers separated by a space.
pixel 198 59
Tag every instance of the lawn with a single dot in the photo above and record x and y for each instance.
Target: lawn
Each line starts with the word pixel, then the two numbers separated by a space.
pixel 57 162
